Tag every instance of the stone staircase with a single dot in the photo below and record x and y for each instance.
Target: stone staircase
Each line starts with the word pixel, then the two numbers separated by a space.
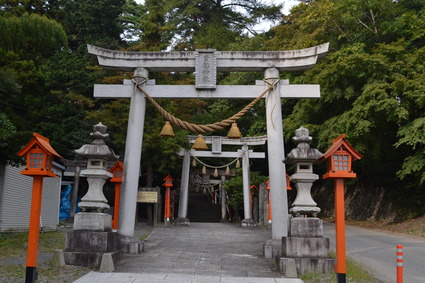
pixel 200 208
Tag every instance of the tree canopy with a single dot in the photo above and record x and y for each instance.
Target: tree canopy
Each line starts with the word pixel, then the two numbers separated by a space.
pixel 372 80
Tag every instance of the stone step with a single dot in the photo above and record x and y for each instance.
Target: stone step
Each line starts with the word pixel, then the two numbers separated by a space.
pixel 204 212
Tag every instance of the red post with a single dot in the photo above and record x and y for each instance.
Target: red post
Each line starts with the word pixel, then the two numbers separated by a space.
pixel 340 267
pixel 117 172
pixel 399 264
pixel 167 205
pixel 116 205
pixel 168 184
pixel 34 228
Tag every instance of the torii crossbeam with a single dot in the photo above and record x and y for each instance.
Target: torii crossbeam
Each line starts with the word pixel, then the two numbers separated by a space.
pixel 205 64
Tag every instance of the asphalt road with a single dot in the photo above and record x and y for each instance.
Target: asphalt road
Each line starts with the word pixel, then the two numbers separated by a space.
pixel 376 251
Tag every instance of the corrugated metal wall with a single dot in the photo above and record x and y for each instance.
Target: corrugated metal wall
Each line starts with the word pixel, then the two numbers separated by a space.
pixel 15 203
pixel 2 169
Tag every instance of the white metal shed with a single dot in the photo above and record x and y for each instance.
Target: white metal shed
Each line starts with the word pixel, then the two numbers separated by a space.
pixel 15 199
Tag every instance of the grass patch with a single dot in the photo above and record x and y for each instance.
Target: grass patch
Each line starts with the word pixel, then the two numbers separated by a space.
pixel 13 244
pixel 16 244
pixel 355 274
pixel 13 255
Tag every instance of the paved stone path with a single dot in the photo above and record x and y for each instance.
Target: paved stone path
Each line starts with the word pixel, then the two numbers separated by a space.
pixel 201 252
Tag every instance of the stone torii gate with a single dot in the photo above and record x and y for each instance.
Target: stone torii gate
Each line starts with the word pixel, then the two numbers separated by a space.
pixel 205 64
pixel 216 141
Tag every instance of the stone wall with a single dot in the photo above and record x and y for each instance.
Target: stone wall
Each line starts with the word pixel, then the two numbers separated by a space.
pixel 360 203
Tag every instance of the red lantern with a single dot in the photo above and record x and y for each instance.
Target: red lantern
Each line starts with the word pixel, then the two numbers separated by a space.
pixel 39 155
pixel 339 158
pixel 117 172
pixel 168 181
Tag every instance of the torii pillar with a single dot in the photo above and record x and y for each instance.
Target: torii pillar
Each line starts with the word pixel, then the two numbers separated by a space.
pixel 206 63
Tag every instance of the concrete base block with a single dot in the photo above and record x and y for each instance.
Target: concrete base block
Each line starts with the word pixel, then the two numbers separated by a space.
pixel 249 222
pixel 58 258
pixel 305 247
pixel 87 259
pixel 304 265
pixel 130 245
pixel 182 221
pixel 291 268
pixel 86 248
pixel 107 263
pixel 305 227
pixel 90 241
pixel 93 221
pixel 272 248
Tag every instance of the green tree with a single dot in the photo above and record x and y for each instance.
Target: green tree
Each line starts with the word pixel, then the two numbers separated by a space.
pixel 93 22
pixel 216 24
pixel 148 24
pixel 371 87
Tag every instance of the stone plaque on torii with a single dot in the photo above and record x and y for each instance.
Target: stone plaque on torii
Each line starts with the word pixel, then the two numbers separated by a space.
pixel 205 64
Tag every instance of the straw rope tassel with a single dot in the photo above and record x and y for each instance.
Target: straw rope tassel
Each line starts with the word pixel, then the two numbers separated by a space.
pixel 215 172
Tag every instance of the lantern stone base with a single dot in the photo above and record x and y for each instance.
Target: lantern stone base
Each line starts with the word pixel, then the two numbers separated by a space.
pixel 249 222
pixel 93 221
pixel 181 221
pixel 306 245
pixel 86 248
pixel 130 245
pixel 304 210
pixel 272 248
pixel 305 265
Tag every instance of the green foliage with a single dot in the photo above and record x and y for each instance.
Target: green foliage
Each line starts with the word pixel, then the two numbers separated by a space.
pixel 371 86
pixel 215 24
pixel 93 22
pixel 7 138
pixel 234 187
pixel 31 36
pixel 148 23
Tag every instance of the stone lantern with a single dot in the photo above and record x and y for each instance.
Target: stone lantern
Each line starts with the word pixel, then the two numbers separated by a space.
pixel 92 236
pixel 303 157
pixel 305 249
pixel 94 204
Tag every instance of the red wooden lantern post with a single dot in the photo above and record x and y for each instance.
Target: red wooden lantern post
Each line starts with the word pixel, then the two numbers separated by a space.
pixel 168 184
pixel 117 171
pixel 39 156
pixel 339 158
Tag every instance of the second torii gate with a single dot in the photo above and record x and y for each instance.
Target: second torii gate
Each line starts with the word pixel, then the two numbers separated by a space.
pixel 205 64
pixel 216 141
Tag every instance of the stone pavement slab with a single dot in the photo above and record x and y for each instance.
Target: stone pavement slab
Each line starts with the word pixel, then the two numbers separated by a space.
pixel 94 277
pixel 201 252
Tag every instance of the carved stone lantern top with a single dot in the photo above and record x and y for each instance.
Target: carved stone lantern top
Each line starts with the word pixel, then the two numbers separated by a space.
pixel 97 152
pixel 302 152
